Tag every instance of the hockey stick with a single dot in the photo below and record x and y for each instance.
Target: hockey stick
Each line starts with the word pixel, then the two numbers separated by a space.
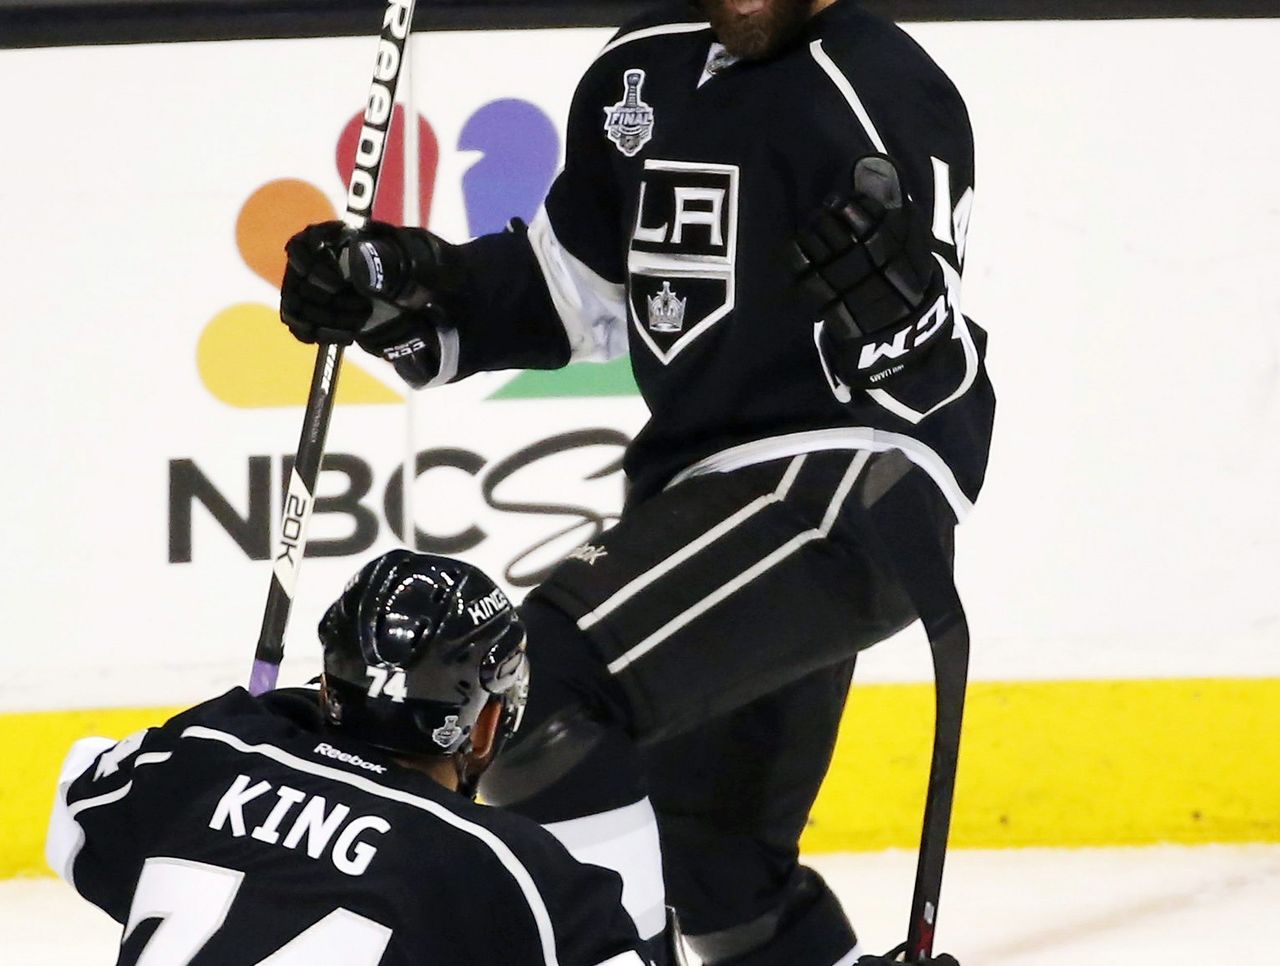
pixel 923 566
pixel 291 542
pixel 949 643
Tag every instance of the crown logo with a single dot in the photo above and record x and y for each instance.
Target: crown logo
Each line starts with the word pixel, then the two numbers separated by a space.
pixel 666 310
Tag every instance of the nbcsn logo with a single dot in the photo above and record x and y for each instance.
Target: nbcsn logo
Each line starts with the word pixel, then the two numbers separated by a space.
pixel 248 360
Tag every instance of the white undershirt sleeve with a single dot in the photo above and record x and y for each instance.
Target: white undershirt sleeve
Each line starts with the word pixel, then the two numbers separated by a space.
pixel 65 838
pixel 592 309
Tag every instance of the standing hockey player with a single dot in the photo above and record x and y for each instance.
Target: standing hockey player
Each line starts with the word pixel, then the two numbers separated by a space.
pixel 766 202
pixel 336 828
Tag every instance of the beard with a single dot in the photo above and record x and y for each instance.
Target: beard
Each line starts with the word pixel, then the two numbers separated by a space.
pixel 756 29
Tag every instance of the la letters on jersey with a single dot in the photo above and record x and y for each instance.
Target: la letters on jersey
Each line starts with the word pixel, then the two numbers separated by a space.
pixel 290 818
pixel 683 250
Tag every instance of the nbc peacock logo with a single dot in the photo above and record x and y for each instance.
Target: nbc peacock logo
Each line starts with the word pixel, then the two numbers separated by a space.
pixel 524 512
pixel 248 360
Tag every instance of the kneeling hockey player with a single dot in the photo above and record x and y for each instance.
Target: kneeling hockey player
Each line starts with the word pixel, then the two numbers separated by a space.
pixel 337 826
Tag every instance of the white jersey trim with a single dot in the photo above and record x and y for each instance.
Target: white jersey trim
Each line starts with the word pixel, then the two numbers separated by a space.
pixel 659 31
pixel 819 440
pixel 500 849
pixel 961 332
pixel 693 547
pixel 592 309
pixel 65 837
pixel 757 569
pixel 880 396
pixel 629 958
pixel 850 95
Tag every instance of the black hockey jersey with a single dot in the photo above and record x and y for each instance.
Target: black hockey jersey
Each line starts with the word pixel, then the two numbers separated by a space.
pixel 686 177
pixel 241 833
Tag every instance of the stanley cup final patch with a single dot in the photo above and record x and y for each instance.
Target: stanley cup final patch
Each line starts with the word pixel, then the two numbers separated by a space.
pixel 629 123
pixel 447 733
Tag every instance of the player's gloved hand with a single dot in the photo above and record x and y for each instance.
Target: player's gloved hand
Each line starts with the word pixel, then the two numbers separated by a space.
pixel 381 287
pixel 866 261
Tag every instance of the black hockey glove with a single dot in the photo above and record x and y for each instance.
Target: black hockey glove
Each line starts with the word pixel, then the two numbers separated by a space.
pixel 382 287
pixel 866 260
pixel 944 959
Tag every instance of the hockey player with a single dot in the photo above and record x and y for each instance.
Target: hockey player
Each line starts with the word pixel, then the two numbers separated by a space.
pixel 336 827
pixel 766 203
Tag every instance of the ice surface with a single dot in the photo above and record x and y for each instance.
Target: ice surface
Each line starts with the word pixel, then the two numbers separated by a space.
pixel 1030 907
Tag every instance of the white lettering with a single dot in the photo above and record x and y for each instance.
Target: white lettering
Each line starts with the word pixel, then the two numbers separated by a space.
pixel 351 856
pixel 231 805
pixel 388 62
pixel 397 18
pixel 932 321
pixel 314 821
pixel 318 827
pixel 269 831
pixel 484 608
pixel 964 210
pixel 655 236
pixel 588 554
pixel 369 151
pixel 873 352
pixel 386 681
pixel 360 197
pixel 326 749
pixel 687 217
pixel 378 110
pixel 942 201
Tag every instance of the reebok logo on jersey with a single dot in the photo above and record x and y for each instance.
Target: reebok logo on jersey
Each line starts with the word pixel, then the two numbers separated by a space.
pixel 348 759
pixel 588 554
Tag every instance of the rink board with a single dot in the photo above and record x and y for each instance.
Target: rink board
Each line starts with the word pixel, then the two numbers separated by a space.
pixel 1044 764
pixel 1129 529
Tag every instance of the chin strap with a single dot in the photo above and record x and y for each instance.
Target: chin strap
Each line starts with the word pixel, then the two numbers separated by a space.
pixel 465 766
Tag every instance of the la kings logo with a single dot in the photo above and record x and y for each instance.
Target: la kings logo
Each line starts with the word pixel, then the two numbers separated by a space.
pixel 629 123
pixel 683 253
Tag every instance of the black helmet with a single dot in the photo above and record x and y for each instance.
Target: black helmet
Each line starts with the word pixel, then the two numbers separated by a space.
pixel 415 648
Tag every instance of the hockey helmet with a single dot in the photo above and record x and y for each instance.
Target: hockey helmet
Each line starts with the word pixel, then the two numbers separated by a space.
pixel 415 648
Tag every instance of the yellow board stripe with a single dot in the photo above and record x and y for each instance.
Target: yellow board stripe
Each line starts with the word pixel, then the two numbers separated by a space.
pixel 1062 763
pixel 35 745
pixel 1056 763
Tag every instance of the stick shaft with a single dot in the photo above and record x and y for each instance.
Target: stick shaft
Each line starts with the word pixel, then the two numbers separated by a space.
pixel 950 649
pixel 299 500
pixel 921 558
